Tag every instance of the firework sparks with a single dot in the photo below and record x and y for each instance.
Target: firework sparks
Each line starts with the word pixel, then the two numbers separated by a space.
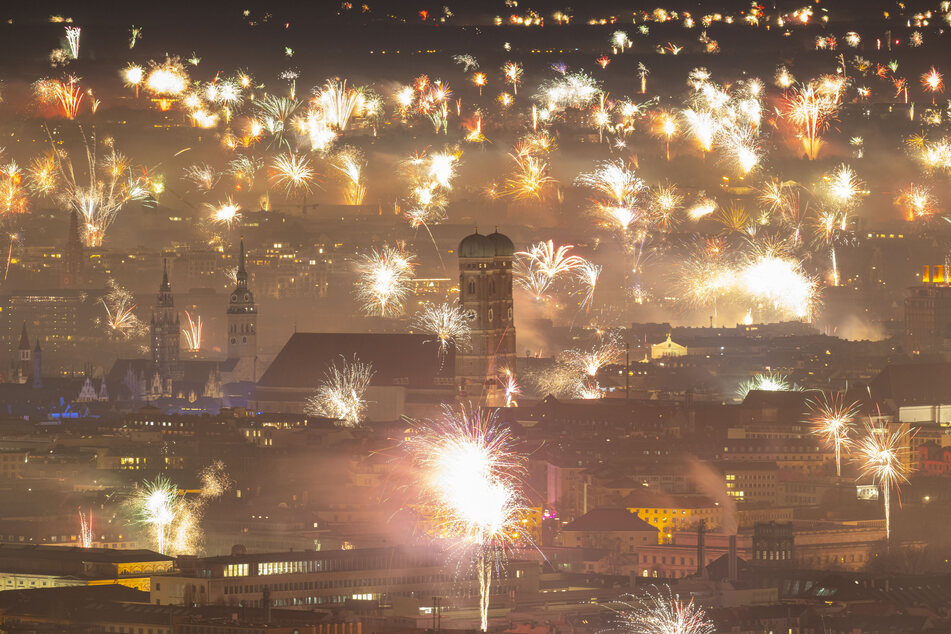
pixel 67 94
pixel 342 393
pixel 120 320
pixel 662 612
pixel 112 183
pixel 881 453
pixel 537 268
pixel 85 529
pixel 293 173
pixel 811 109
pixel 339 103
pixel 844 186
pixel 72 41
pixel 832 419
pixel 349 162
pixel 933 81
pixel 766 382
pixel 470 489
pixel 588 274
pixel 916 201
pixel 447 325
pixel 166 79
pixel 530 179
pixel 172 519
pixel 384 275
pixel 513 74
pixel 781 283
pixel 192 332
pixel 202 176
pixel 573 90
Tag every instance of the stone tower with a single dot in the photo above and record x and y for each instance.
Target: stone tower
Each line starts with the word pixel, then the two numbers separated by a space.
pixel 165 330
pixel 242 325
pixel 72 273
pixel 485 296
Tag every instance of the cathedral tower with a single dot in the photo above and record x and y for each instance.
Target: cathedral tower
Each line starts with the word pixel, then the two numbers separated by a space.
pixel 485 297
pixel 242 325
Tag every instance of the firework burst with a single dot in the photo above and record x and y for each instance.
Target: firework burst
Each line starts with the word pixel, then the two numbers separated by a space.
pixel 120 320
pixel 662 612
pixel 173 521
pixel 470 490
pixel 447 324
pixel 342 394
pixel 881 453
pixel 832 419
pixel 766 382
pixel 384 277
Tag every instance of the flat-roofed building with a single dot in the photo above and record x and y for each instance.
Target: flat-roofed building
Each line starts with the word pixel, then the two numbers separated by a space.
pixel 305 580
pixel 34 566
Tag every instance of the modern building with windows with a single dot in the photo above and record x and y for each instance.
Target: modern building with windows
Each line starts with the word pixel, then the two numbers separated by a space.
pixel 305 579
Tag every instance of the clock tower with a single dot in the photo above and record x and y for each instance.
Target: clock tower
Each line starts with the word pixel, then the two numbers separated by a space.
pixel 485 297
pixel 242 325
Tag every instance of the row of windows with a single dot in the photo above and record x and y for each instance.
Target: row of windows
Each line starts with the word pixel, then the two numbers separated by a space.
pixel 336 583
pixel 293 566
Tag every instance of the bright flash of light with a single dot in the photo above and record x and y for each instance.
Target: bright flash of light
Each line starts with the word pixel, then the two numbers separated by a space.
pixel 166 79
pixel 470 489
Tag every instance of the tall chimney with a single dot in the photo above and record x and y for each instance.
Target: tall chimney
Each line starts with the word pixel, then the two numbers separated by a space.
pixel 701 550
pixel 731 564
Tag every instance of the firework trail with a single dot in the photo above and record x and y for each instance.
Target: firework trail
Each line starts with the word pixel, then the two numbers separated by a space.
pixel 85 529
pixel 192 332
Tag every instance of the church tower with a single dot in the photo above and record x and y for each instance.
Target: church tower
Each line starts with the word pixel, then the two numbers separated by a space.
pixel 24 366
pixel 485 297
pixel 72 273
pixel 165 330
pixel 242 325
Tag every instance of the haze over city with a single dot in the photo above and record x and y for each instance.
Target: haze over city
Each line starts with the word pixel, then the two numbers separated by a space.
pixel 502 316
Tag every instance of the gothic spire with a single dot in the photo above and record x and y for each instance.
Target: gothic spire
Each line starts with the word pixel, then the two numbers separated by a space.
pixel 165 287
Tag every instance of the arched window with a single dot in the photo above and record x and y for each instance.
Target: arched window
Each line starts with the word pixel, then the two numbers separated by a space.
pixel 472 288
